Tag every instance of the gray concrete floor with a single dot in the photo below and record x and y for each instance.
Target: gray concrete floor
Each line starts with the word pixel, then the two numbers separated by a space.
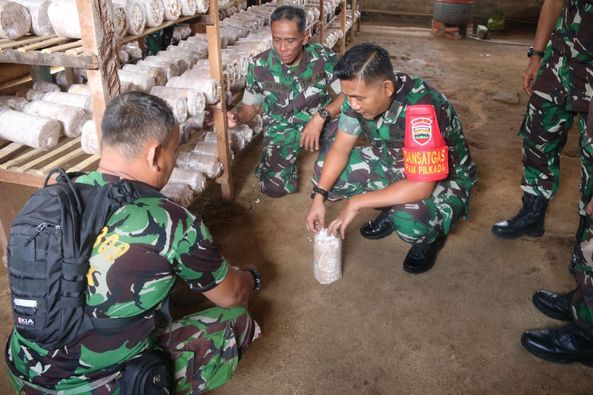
pixel 379 330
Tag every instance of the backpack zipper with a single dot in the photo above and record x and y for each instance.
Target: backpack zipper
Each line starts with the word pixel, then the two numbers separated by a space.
pixel 40 229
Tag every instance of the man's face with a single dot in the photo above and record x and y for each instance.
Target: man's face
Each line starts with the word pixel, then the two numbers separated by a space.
pixel 288 41
pixel 369 100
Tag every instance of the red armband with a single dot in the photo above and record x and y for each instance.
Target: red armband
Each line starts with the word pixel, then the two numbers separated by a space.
pixel 426 157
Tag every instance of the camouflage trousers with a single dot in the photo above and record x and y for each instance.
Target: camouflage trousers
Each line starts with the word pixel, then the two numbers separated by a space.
pixel 544 131
pixel 277 169
pixel 581 299
pixel 423 221
pixel 205 348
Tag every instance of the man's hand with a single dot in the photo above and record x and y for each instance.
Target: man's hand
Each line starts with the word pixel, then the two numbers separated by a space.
pixel 530 73
pixel 589 208
pixel 316 215
pixel 232 119
pixel 338 226
pixel 311 133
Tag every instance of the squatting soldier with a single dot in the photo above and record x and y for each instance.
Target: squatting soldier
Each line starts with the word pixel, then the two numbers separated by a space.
pixel 137 257
pixel 292 85
pixel 559 81
pixel 572 342
pixel 421 186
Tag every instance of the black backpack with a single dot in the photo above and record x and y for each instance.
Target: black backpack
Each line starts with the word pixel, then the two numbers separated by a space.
pixel 48 255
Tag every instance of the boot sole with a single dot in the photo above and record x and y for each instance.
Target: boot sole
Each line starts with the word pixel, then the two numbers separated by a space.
pixel 555 359
pixel 556 316
pixel 515 235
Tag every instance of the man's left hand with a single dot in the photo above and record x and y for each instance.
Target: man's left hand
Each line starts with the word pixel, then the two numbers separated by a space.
pixel 311 132
pixel 338 226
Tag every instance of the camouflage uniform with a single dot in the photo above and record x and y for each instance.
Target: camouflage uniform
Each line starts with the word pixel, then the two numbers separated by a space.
pixel 581 299
pixel 289 96
pixel 375 167
pixel 561 92
pixel 135 261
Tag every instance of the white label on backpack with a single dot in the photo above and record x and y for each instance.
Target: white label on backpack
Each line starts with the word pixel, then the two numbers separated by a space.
pixel 25 302
pixel 25 321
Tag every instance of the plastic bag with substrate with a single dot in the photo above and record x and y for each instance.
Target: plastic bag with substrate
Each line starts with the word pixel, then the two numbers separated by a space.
pixel 327 257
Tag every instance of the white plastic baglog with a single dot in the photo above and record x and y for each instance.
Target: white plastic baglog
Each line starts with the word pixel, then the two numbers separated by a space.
pixel 327 257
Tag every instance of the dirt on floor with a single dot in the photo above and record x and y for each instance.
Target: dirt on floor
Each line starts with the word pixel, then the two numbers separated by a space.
pixel 379 330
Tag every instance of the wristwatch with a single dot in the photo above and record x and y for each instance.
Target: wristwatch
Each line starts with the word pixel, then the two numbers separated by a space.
pixel 323 113
pixel 319 190
pixel 257 279
pixel 534 52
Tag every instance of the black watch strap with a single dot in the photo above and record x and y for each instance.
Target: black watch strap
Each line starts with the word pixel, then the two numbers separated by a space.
pixel 256 278
pixel 319 190
pixel 324 113
pixel 534 52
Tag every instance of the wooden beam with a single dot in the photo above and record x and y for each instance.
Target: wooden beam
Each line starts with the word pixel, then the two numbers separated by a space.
pixel 99 39
pixel 7 215
pixel 87 61
pixel 343 27
pixel 220 116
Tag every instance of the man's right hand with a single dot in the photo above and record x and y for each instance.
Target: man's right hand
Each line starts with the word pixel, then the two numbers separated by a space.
pixel 316 215
pixel 530 73
pixel 232 119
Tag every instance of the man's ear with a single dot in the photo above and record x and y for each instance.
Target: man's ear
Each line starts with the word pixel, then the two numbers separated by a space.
pixel 306 37
pixel 388 87
pixel 152 156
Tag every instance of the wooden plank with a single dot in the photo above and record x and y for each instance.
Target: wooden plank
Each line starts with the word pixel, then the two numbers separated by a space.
pixel 15 177
pixel 7 215
pixel 99 39
pixel 52 153
pixel 194 19
pixel 24 41
pixel 61 161
pixel 220 116
pixel 21 158
pixel 43 44
pixel 85 163
pixel 343 28
pixel 9 150
pixel 58 48
pixel 321 26
pixel 85 61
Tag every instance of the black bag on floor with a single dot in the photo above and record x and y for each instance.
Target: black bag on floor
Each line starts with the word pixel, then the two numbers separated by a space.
pixel 148 374
pixel 48 255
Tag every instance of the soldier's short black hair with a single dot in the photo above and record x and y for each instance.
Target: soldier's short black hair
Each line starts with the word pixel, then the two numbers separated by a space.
pixel 369 62
pixel 290 13
pixel 133 119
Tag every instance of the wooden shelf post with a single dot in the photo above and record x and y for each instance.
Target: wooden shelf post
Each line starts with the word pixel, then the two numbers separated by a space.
pixel 220 116
pixel 343 27
pixel 99 39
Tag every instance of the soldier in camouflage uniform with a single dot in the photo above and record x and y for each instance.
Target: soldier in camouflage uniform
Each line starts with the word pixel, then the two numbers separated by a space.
pixel 560 94
pixel 572 342
pixel 421 213
pixel 137 257
pixel 292 85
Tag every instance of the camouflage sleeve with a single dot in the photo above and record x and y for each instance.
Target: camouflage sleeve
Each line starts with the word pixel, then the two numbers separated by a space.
pixel 253 94
pixel 348 122
pixel 330 62
pixel 199 262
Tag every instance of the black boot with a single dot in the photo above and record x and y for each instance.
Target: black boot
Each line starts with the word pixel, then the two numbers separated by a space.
pixel 564 344
pixel 422 257
pixel 577 254
pixel 553 304
pixel 378 228
pixel 529 221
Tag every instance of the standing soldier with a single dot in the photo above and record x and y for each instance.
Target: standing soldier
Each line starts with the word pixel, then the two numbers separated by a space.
pixel 571 342
pixel 559 81
pixel 421 180
pixel 293 85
